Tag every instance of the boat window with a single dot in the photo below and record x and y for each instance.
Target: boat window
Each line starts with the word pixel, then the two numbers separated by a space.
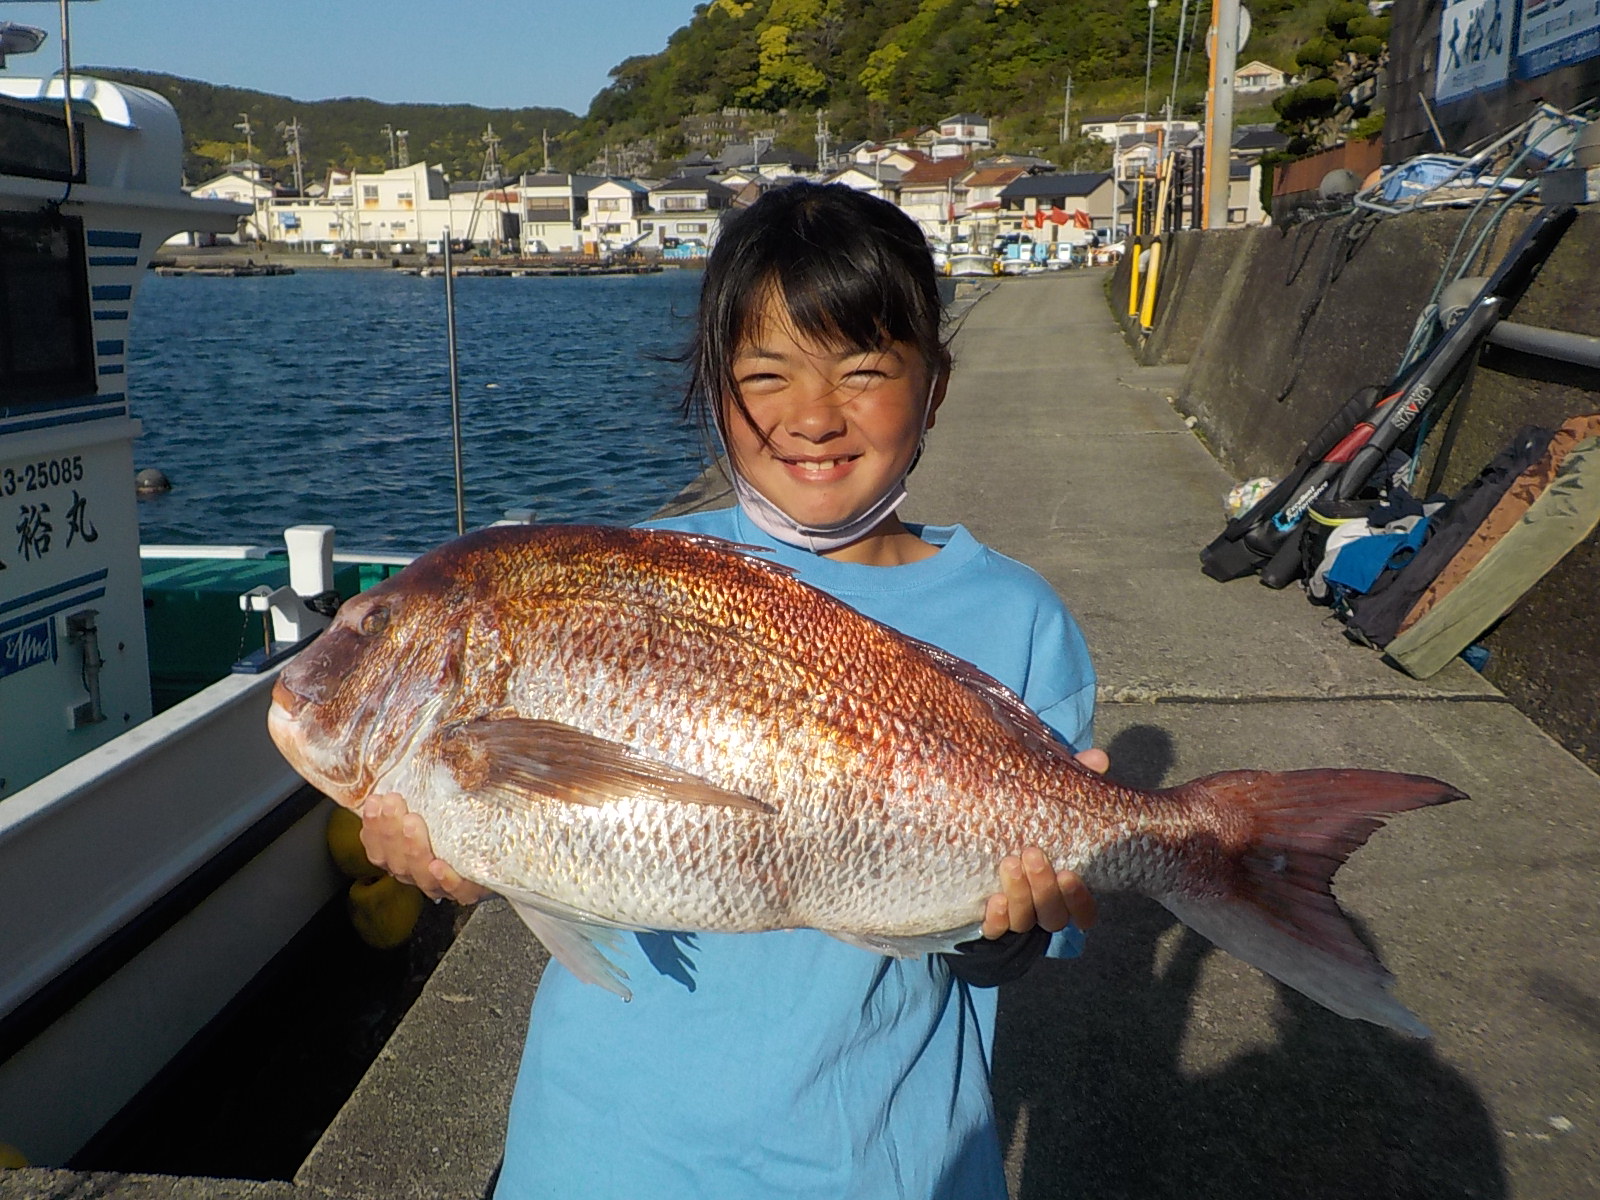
pixel 33 144
pixel 46 339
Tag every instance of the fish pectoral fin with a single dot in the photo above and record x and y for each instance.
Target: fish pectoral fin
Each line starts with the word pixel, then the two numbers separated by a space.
pixel 562 911
pixel 511 758
pixel 912 946
pixel 578 945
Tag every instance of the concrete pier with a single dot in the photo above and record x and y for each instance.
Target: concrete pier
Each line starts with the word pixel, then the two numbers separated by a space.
pixel 1154 1067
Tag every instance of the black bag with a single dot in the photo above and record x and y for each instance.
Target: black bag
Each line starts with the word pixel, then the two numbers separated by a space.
pixel 1375 618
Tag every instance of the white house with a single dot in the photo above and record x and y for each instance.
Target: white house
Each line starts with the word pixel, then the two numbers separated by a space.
pixel 1244 193
pixel 312 223
pixel 1050 203
pixel 878 180
pixel 961 135
pixel 762 158
pixel 404 206
pixel 986 183
pixel 243 184
pixel 1259 77
pixel 396 211
pixel 934 194
pixel 901 158
pixel 1133 123
pixel 616 209
pixel 553 208
pixel 685 213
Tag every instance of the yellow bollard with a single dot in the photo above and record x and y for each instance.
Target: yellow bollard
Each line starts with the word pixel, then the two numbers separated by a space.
pixel 1147 310
pixel 1133 278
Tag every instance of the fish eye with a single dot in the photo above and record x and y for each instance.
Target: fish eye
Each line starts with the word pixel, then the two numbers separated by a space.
pixel 375 622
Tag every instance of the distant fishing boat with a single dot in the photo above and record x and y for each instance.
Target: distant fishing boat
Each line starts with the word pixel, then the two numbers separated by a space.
pixel 969 264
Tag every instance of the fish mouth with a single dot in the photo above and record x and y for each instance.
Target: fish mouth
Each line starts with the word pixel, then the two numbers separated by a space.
pixel 289 732
pixel 286 701
pixel 349 745
pixel 370 769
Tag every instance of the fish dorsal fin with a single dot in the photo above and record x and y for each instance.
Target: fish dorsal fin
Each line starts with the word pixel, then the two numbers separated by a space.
pixel 760 556
pixel 1004 704
pixel 514 758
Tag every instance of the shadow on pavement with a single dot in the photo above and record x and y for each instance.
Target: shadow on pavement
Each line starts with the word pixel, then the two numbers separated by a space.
pixel 1088 1069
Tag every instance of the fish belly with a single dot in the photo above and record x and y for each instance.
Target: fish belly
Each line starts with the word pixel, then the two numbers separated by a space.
pixel 647 865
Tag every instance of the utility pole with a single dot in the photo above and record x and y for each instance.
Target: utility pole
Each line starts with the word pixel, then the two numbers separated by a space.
pixel 1177 58
pixel 291 142
pixel 544 138
pixel 822 139
pixel 1116 188
pixel 1149 51
pixel 491 157
pixel 244 127
pixel 1066 112
pixel 1219 109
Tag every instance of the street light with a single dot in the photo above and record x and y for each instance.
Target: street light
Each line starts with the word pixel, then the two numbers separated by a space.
pixel 1149 50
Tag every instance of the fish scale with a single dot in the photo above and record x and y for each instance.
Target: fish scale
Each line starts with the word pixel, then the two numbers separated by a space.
pixel 630 729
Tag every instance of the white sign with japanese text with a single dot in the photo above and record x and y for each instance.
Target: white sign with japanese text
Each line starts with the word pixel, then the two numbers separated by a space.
pixel 70 595
pixel 1556 33
pixel 1474 47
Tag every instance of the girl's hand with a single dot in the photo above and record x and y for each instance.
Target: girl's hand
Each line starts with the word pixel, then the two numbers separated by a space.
pixel 396 839
pixel 1033 893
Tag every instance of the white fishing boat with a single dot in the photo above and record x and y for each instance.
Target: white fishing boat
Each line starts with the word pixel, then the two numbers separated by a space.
pixel 969 263
pixel 155 849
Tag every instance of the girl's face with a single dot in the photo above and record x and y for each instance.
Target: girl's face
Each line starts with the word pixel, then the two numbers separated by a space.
pixel 834 428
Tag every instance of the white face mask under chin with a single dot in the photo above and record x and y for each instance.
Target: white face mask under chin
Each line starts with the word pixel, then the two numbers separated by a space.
pixel 773 521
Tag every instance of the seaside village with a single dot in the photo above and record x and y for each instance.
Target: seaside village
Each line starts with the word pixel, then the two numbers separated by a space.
pixel 972 202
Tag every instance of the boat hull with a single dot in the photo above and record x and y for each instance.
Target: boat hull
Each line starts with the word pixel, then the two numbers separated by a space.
pixel 145 884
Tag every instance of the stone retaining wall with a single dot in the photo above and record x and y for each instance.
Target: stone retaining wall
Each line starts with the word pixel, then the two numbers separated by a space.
pixel 1279 326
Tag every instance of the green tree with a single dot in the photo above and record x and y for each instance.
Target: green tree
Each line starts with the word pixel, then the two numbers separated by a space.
pixel 1342 63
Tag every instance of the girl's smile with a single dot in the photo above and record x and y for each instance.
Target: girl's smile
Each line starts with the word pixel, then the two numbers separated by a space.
pixel 826 432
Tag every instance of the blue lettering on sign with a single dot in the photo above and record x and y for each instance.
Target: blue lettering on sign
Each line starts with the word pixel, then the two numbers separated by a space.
pixel 27 647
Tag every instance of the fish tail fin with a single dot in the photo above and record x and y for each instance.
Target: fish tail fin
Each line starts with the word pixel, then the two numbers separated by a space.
pixel 1275 907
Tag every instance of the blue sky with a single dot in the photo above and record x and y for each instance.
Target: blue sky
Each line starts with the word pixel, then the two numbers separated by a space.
pixel 497 53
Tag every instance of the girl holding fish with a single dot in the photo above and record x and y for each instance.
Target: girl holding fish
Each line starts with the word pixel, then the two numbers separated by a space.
pixel 791 1063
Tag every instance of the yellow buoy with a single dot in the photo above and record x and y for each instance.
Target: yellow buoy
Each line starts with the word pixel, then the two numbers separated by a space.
pixel 384 911
pixel 344 844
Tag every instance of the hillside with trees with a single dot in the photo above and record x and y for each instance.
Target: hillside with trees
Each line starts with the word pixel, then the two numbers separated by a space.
pixel 348 133
pixel 871 68
pixel 878 68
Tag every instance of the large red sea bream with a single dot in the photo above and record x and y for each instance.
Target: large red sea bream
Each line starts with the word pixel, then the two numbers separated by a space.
pixel 624 730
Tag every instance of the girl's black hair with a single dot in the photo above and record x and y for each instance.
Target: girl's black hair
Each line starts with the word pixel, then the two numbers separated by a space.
pixel 853 270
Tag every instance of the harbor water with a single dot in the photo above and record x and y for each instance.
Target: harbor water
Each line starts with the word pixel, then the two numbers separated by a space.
pixel 324 397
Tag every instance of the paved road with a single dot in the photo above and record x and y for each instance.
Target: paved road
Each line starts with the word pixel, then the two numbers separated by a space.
pixel 1155 1067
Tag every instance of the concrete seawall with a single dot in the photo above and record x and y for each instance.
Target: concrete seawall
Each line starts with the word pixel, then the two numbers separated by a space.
pixel 1280 326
